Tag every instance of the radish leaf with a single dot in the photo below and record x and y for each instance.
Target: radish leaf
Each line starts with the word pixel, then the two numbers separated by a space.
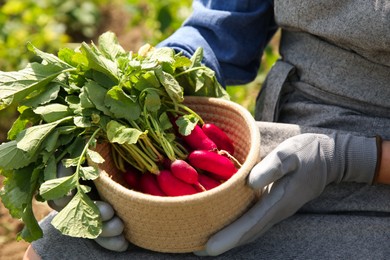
pixel 57 188
pixel 186 124
pixel 118 133
pixel 10 153
pixel 116 99
pixel 80 218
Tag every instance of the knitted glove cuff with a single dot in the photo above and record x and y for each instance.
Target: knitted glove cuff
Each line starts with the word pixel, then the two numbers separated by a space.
pixel 358 158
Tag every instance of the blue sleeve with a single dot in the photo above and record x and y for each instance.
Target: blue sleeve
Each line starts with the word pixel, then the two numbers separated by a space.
pixel 232 33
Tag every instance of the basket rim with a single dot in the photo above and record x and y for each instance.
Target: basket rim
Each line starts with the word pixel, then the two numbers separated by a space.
pixel 243 171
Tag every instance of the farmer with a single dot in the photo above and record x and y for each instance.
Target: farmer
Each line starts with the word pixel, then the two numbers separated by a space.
pixel 324 118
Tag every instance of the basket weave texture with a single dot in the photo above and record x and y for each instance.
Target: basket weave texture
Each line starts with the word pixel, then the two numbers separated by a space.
pixel 184 224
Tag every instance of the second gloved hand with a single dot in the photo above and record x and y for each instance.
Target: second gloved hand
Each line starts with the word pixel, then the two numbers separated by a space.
pixel 297 171
pixel 111 237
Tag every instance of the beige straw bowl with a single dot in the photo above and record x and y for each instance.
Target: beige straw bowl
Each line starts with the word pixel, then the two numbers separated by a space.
pixel 184 224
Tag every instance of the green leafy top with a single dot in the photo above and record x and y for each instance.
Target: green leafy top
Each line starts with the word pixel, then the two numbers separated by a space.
pixel 69 102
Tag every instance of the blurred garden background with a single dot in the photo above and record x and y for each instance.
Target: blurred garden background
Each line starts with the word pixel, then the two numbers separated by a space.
pixel 53 24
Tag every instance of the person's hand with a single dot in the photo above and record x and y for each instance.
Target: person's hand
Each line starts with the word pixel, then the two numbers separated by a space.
pixel 111 237
pixel 297 171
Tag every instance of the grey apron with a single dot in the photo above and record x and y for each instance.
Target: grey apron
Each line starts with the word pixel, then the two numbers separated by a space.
pixel 333 52
pixel 335 67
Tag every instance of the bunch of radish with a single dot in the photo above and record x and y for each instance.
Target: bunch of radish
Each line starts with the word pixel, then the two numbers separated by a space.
pixel 209 163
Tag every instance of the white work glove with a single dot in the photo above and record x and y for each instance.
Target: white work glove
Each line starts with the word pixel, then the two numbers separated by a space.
pixel 297 171
pixel 111 237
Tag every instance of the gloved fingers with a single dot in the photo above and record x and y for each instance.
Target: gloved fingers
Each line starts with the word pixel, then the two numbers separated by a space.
pixel 59 204
pixel 269 170
pixel 112 227
pixel 286 158
pixel 117 243
pixel 54 206
pixel 124 247
pixel 253 223
pixel 106 210
pixel 63 171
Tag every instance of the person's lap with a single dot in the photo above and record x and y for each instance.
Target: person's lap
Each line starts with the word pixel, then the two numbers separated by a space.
pixel 338 235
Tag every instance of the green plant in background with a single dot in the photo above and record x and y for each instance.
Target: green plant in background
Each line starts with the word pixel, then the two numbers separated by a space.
pixel 81 18
pixel 161 18
pixel 22 21
pixel 48 24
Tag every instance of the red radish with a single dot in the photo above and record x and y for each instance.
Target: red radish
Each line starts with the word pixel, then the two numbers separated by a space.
pixel 198 140
pixel 212 162
pixel 199 187
pixel 185 172
pixel 219 137
pixel 172 186
pixel 207 182
pixel 132 177
pixel 149 185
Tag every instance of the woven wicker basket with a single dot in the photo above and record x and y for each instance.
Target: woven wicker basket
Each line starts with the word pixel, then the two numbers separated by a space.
pixel 184 224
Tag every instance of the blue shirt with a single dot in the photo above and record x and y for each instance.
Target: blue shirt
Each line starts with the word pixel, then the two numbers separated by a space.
pixel 232 33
